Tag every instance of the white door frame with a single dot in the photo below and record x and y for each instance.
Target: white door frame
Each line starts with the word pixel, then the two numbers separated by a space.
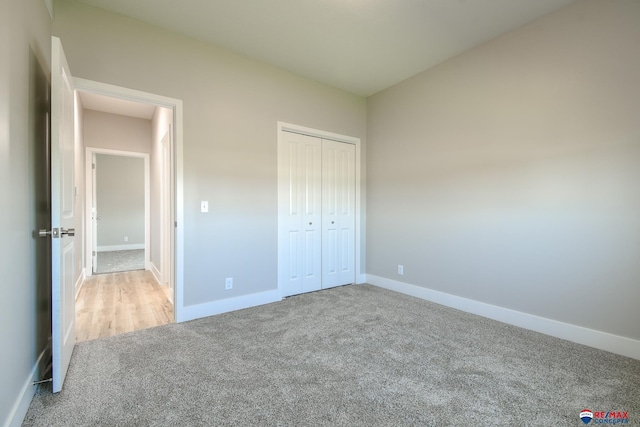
pixel 90 195
pixel 177 275
pixel 166 228
pixel 288 127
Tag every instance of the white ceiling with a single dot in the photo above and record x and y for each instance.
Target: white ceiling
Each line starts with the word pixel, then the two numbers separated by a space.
pixel 91 101
pixel 362 46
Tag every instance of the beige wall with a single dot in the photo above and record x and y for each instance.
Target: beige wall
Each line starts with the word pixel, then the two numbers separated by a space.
pixel 231 107
pixel 116 132
pixel 24 28
pixel 509 174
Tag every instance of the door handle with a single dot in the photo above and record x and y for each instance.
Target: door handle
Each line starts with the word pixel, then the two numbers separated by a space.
pixel 44 232
pixel 57 232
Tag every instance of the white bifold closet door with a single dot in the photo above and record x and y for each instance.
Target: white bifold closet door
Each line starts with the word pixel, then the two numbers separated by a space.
pixel 300 240
pixel 317 213
pixel 338 213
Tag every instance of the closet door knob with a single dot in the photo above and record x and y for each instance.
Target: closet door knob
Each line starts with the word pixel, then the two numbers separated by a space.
pixel 310 223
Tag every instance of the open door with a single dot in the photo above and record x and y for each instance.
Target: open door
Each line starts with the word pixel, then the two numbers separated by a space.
pixel 63 248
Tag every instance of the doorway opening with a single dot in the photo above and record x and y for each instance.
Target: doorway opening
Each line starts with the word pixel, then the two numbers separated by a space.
pixel 119 211
pixel 131 239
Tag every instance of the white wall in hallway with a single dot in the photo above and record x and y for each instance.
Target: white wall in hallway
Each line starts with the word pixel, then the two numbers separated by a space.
pixel 161 124
pixel 120 202
pixel 116 132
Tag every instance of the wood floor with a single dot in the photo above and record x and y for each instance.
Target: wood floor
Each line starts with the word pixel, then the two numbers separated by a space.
pixel 115 303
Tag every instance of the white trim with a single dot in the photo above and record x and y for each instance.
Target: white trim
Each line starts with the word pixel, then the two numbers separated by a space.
pixel 176 105
pixel 578 334
pixel 212 308
pixel 360 277
pixel 23 400
pixel 288 127
pixel 124 93
pixel 80 282
pixel 110 248
pixel 178 274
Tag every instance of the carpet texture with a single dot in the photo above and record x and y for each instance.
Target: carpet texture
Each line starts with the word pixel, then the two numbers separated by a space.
pixel 116 261
pixel 349 356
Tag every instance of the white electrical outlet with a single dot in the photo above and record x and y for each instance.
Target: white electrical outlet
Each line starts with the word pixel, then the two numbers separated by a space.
pixel 400 269
pixel 228 283
pixel 126 238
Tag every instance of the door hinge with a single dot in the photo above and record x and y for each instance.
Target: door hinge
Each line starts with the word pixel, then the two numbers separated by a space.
pixel 93 165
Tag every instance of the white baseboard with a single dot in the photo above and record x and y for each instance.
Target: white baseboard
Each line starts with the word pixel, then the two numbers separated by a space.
pixel 578 334
pixel 23 400
pixel 120 247
pixel 156 273
pixel 80 282
pixel 198 311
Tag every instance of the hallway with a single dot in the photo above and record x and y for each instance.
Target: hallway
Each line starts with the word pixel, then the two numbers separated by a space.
pixel 116 303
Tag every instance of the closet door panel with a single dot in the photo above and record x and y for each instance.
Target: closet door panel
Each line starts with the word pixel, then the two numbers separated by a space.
pixel 300 240
pixel 338 213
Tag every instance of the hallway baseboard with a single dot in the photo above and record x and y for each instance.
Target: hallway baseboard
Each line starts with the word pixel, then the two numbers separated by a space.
pixel 155 271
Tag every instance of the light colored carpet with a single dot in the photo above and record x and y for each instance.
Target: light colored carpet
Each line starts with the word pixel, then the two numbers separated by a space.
pixel 116 261
pixel 350 356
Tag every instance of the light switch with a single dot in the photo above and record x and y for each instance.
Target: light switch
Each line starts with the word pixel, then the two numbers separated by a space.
pixel 204 206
